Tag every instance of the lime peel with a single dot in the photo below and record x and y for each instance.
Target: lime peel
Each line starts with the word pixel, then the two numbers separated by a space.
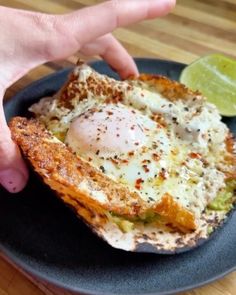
pixel 215 77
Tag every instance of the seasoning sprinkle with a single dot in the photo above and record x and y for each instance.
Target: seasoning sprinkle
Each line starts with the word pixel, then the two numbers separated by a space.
pixel 102 169
pixel 146 169
pixel 155 157
pixel 138 183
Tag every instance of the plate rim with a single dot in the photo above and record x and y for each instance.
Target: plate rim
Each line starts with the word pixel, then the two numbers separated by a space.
pixel 31 271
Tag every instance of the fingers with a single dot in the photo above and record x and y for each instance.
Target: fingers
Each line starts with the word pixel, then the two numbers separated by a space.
pixel 13 172
pixel 58 36
pixel 114 54
pixel 92 22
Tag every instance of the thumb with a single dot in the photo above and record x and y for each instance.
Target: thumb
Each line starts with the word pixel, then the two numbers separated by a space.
pixel 13 171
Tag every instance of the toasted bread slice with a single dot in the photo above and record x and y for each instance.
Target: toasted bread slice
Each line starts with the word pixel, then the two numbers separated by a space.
pixel 78 183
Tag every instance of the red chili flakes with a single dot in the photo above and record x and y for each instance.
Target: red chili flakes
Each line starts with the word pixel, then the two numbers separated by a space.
pixel 138 183
pixel 125 161
pixel 109 113
pixel 195 155
pixel 114 161
pixel 159 119
pixel 163 174
pixel 155 157
pixel 146 169
pixel 131 153
pixel 117 98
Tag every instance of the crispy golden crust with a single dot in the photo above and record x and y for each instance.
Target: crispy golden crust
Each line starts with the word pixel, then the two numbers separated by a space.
pixel 175 214
pixel 105 86
pixel 78 183
pixel 168 88
pixel 70 175
pixel 94 84
pixel 231 156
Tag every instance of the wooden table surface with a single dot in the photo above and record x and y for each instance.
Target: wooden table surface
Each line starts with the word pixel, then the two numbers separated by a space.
pixel 193 29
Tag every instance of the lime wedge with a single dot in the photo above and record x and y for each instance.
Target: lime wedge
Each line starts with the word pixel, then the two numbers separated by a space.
pixel 215 77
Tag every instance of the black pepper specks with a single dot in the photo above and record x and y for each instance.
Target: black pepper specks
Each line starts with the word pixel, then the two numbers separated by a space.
pixel 102 169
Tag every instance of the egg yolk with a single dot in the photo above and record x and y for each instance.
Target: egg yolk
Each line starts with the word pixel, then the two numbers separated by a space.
pixel 108 131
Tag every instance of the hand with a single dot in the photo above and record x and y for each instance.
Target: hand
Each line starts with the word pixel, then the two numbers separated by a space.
pixel 29 39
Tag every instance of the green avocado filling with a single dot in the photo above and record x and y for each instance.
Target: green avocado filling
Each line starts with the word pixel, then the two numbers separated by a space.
pixel 223 202
pixel 210 230
pixel 127 224
pixel 225 198
pixel 123 224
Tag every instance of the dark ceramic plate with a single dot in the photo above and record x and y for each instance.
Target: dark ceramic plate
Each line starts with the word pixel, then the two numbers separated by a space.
pixel 45 238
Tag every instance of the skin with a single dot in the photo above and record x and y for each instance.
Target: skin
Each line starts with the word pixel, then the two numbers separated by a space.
pixel 29 39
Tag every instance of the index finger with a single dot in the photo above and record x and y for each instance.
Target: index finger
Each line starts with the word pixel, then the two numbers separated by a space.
pixel 92 22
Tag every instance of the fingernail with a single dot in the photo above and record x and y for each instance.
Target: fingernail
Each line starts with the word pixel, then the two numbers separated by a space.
pixel 12 180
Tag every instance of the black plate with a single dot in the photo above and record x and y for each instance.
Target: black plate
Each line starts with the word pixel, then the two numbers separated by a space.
pixel 45 238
